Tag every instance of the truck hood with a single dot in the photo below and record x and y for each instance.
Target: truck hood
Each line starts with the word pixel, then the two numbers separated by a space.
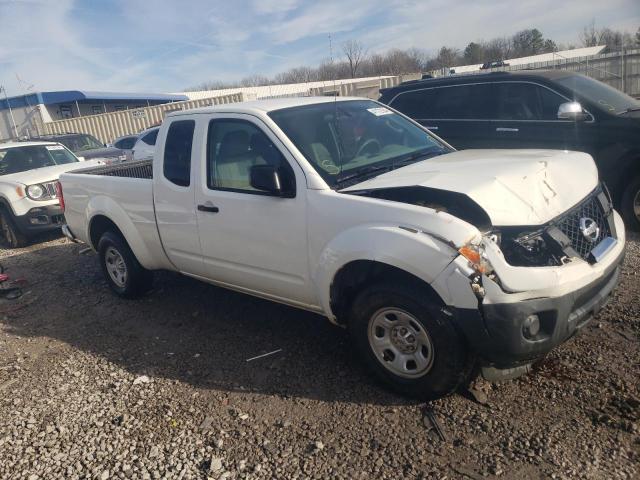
pixel 514 187
pixel 46 174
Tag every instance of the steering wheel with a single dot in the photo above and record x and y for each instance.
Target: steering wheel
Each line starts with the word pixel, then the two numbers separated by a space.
pixel 370 144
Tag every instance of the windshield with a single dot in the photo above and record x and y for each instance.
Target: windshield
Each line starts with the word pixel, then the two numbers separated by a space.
pixel 21 159
pixel 343 140
pixel 79 143
pixel 607 97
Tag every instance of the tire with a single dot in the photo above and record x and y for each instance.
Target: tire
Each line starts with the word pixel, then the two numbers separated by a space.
pixel 10 236
pixel 124 274
pixel 630 204
pixel 444 363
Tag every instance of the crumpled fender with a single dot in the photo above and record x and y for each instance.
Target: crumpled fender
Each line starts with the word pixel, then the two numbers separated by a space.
pixel 415 252
pixel 103 205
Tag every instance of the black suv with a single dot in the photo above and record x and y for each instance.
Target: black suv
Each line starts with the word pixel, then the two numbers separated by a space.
pixel 85 145
pixel 535 109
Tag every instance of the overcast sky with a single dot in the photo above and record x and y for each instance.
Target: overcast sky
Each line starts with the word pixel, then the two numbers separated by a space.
pixel 165 45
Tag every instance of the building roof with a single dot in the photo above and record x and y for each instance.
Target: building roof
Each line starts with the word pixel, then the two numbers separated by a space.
pixel 66 96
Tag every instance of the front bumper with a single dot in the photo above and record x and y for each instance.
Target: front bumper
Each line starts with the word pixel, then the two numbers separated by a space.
pixel 499 333
pixel 40 219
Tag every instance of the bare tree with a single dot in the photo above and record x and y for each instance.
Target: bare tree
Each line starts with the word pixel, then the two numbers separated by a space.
pixel 355 53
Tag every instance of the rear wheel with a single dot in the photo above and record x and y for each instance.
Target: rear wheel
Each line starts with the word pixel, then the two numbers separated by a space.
pixel 408 343
pixel 630 205
pixel 124 274
pixel 10 236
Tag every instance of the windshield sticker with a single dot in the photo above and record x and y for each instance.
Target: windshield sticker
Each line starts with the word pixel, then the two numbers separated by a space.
pixel 379 111
pixel 55 147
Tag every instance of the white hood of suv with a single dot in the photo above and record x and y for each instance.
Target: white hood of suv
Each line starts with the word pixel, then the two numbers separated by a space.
pixel 46 174
pixel 514 187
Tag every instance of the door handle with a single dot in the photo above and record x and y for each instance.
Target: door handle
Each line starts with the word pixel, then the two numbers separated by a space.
pixel 431 128
pixel 208 208
pixel 505 129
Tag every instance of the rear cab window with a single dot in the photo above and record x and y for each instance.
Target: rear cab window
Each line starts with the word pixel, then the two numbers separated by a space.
pixel 177 152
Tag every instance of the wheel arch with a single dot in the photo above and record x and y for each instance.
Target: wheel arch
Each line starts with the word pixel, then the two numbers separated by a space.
pixel 374 249
pixel 103 213
pixel 355 275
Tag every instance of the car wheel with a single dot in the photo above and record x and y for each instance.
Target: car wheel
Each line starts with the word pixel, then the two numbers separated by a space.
pixel 10 236
pixel 630 205
pixel 124 274
pixel 408 343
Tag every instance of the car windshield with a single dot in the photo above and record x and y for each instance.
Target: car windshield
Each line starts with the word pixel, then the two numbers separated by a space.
pixel 21 159
pixel 599 93
pixel 79 143
pixel 347 140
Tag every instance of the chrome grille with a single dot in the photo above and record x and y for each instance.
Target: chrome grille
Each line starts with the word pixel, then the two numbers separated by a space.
pixel 50 188
pixel 570 225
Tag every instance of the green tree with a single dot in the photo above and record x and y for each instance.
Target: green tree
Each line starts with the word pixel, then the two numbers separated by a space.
pixel 549 46
pixel 473 53
pixel 528 42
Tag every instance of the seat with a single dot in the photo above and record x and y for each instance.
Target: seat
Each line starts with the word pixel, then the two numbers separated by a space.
pixel 234 161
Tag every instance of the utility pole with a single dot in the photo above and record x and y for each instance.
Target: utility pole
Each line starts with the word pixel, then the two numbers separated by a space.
pixel 13 120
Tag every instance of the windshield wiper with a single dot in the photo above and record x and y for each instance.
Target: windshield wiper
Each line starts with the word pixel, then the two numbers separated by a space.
pixel 411 158
pixel 373 170
pixel 630 109
pixel 364 172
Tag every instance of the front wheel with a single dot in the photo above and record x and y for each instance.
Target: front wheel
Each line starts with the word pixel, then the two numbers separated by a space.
pixel 408 343
pixel 10 236
pixel 630 205
pixel 124 274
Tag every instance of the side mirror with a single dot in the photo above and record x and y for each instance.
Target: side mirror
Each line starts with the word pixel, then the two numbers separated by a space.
pixel 82 159
pixel 267 179
pixel 571 111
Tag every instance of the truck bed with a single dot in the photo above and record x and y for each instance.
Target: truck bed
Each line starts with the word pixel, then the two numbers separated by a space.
pixel 140 169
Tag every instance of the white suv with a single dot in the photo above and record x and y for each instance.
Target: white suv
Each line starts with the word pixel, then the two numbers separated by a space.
pixel 28 197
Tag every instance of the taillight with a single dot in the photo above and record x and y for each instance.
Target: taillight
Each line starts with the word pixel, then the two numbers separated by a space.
pixel 60 195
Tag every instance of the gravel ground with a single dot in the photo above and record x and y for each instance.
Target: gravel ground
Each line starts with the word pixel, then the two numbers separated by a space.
pixel 92 386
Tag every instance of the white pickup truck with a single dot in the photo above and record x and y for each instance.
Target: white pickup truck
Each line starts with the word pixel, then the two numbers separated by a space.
pixel 435 260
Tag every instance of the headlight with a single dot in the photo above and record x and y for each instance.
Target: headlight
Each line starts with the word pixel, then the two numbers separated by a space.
pixel 477 259
pixel 36 192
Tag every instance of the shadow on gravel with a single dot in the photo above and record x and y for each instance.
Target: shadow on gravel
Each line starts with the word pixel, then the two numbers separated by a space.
pixel 186 330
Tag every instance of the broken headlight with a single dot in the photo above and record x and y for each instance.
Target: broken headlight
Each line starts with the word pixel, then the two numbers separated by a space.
pixel 530 249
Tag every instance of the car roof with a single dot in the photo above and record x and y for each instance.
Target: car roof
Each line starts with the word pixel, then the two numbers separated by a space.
pixel 63 135
pixel 480 76
pixel 264 106
pixel 25 144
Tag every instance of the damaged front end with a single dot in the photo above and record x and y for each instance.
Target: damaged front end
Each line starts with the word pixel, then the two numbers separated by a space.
pixel 536 287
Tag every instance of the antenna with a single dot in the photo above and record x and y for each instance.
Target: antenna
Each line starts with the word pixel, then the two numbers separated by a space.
pixel 333 73
pixel 335 106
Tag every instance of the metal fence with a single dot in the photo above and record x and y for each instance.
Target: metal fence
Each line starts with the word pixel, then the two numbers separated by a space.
pixel 108 126
pixel 620 69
